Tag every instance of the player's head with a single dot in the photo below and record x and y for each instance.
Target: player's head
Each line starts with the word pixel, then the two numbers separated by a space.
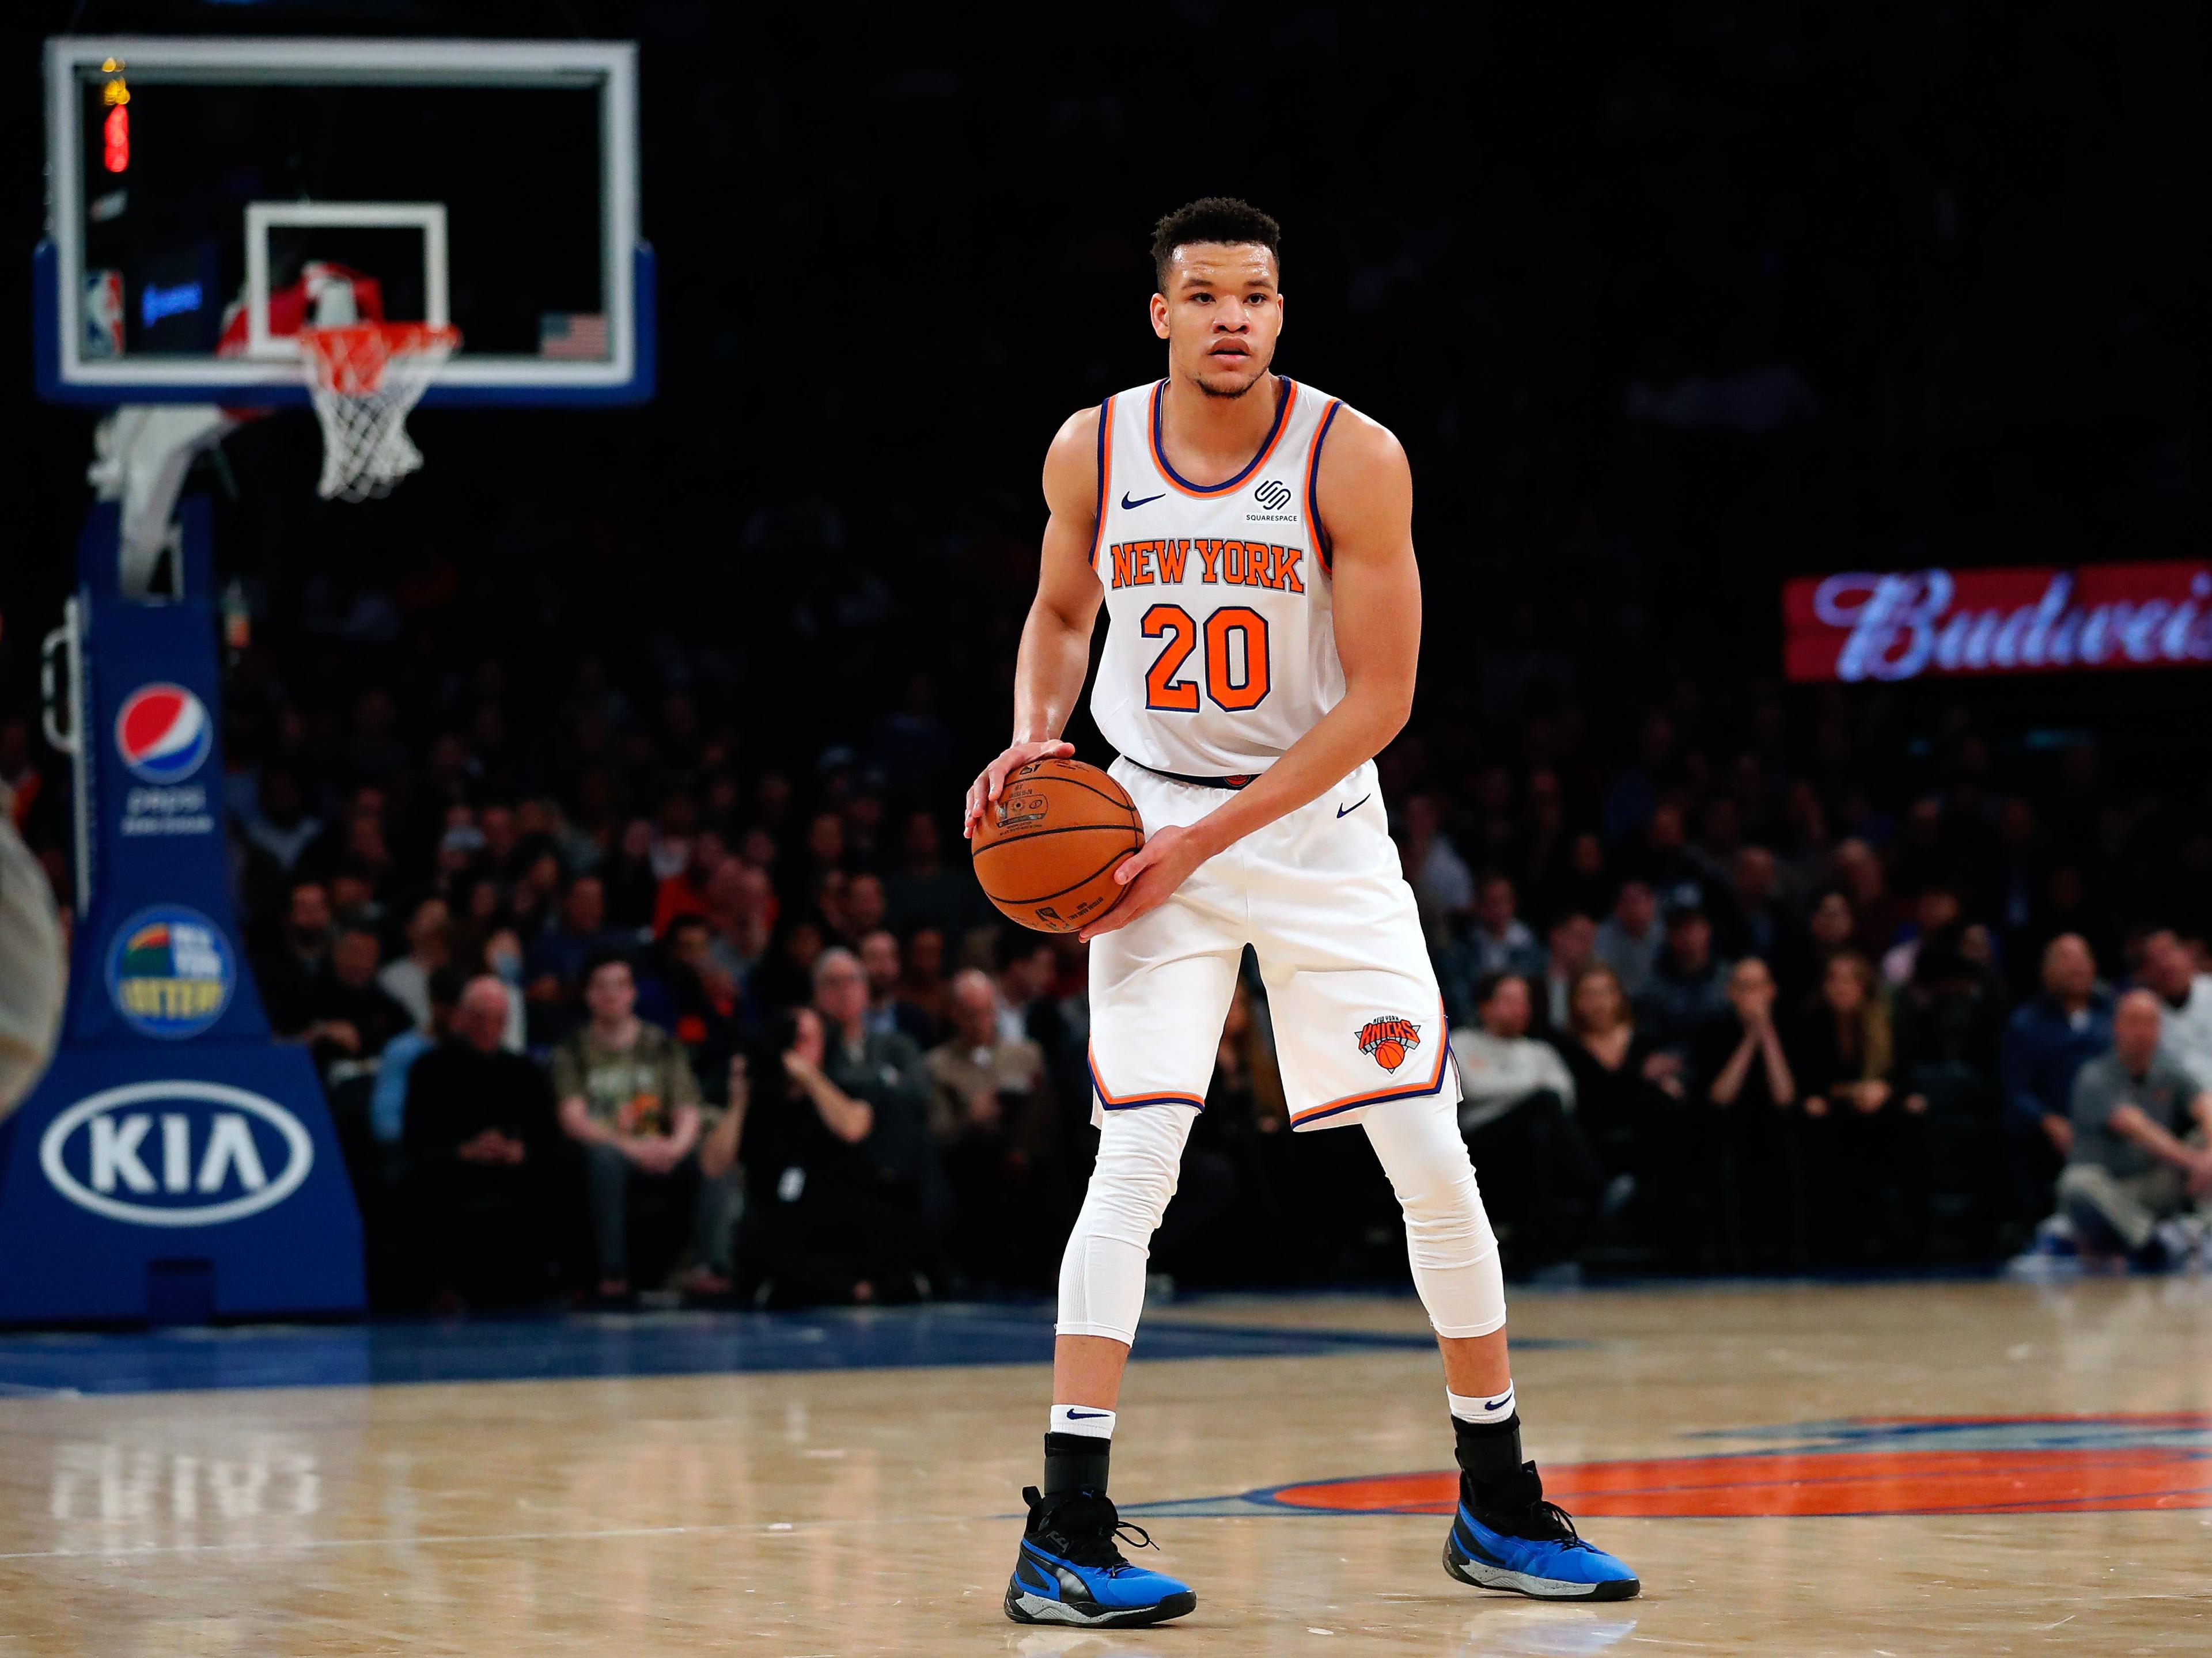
pixel 1219 303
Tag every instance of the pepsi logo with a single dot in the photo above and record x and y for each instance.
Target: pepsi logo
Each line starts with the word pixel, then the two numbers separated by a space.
pixel 176 1153
pixel 163 733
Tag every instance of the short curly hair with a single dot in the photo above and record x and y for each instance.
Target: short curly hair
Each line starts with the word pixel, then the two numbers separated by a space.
pixel 1213 219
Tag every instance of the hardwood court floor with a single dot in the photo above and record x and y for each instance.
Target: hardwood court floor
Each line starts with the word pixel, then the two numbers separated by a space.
pixel 1971 1468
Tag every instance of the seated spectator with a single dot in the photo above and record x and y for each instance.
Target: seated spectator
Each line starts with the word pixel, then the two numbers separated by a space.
pixel 1025 983
pixel 988 1113
pixel 1630 1100
pixel 1687 990
pixel 1830 929
pixel 1236 1191
pixel 1761 924
pixel 1878 915
pixel 921 982
pixel 281 826
pixel 354 901
pixel 352 1019
pixel 1584 885
pixel 1844 1052
pixel 501 958
pixel 1862 1154
pixel 1677 880
pixel 387 1102
pixel 1498 942
pixel 1443 884
pixel 1570 946
pixel 883 1070
pixel 406 979
pixel 863 909
pixel 493 1188
pixel 741 909
pixel 1750 1082
pixel 2046 1042
pixel 553 969
pixel 695 995
pixel 1516 1113
pixel 632 884
pixel 288 973
pixel 2170 973
pixel 685 892
pixel 888 1009
pixel 1628 939
pixel 927 892
pixel 1948 1020
pixel 1247 1080
pixel 1934 910
pixel 830 1213
pixel 785 976
pixel 627 1095
pixel 2140 1176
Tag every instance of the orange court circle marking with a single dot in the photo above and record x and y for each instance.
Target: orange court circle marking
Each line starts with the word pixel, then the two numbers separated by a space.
pixel 1885 1478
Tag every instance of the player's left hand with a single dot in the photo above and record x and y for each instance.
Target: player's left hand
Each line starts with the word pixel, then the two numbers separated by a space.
pixel 1149 877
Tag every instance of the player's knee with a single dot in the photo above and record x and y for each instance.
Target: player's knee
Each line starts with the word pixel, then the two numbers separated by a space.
pixel 1140 1157
pixel 1446 1225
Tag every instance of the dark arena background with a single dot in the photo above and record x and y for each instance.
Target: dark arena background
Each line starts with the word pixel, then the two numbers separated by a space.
pixel 1806 796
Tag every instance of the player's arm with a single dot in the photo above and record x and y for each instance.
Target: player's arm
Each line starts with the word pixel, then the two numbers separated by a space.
pixel 1055 653
pixel 1366 492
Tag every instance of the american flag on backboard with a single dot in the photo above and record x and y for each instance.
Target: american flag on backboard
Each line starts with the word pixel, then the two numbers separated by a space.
pixel 572 334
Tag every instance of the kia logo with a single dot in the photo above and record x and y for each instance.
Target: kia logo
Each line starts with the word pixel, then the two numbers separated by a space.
pixel 1273 493
pixel 190 1154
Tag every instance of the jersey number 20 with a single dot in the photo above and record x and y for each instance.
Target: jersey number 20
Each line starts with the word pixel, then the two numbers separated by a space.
pixel 1165 690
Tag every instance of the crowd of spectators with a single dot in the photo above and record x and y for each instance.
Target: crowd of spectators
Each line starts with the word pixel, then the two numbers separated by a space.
pixel 660 1023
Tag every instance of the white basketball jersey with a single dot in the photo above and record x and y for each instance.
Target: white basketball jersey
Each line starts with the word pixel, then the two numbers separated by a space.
pixel 1221 640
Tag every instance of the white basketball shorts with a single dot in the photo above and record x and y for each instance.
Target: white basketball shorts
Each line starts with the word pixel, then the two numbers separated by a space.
pixel 1320 897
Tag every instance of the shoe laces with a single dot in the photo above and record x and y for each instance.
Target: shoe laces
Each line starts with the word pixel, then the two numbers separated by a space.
pixel 1087 1527
pixel 1517 1507
pixel 1549 1523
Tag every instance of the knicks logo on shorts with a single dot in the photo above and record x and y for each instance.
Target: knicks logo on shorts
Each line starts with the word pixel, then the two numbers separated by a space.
pixel 1388 1040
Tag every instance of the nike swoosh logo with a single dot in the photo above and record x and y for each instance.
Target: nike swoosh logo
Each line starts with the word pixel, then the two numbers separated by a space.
pixel 1492 1404
pixel 1342 812
pixel 1084 1416
pixel 1129 505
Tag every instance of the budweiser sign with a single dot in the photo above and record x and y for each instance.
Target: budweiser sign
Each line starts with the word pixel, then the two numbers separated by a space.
pixel 1919 624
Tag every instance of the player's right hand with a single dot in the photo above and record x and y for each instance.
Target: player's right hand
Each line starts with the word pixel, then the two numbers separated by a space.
pixel 985 789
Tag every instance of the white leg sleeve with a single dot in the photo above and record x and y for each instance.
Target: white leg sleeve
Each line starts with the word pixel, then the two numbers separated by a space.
pixel 1448 1236
pixel 1101 1276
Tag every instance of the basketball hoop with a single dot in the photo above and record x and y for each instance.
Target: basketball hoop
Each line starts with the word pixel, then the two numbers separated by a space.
pixel 364 377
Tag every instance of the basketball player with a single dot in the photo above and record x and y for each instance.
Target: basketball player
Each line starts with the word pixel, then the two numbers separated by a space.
pixel 1251 540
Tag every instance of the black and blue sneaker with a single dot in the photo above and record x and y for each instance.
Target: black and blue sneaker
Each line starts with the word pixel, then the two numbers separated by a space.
pixel 1070 1571
pixel 1506 1536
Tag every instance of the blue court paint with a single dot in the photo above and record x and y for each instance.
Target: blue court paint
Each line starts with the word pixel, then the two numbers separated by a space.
pixel 610 1345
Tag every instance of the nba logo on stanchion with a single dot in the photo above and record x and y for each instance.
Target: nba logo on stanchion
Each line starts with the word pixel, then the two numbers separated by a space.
pixel 163 733
pixel 170 972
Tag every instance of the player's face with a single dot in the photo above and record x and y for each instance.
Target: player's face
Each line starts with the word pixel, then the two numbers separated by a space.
pixel 1219 315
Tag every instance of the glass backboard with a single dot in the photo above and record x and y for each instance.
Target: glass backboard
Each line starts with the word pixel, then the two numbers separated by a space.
pixel 489 183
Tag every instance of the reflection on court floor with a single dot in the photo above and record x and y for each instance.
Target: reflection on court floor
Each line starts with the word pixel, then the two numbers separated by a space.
pixel 1793 1469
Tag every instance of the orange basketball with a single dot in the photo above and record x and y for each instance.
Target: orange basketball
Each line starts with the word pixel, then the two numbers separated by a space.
pixel 1389 1055
pixel 1047 848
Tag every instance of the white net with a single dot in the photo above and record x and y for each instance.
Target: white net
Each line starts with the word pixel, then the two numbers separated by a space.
pixel 364 377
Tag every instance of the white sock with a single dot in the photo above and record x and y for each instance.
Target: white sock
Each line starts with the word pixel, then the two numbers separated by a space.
pixel 1090 1423
pixel 1481 1407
